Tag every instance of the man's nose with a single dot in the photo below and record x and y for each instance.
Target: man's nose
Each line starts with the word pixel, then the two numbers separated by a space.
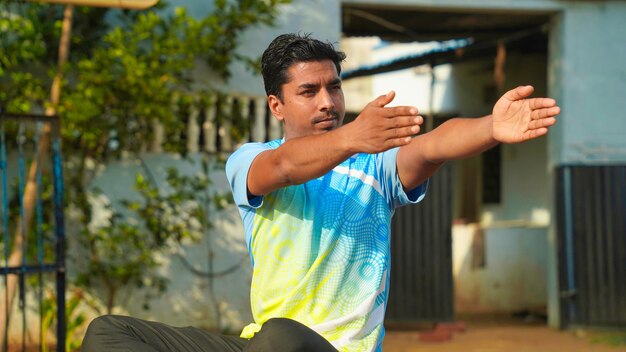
pixel 326 101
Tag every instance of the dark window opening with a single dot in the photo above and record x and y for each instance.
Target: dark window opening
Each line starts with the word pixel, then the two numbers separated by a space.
pixel 492 175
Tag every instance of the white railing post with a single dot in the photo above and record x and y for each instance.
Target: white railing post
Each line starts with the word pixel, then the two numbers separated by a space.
pixel 244 108
pixel 159 134
pixel 258 127
pixel 193 130
pixel 209 125
pixel 226 126
pixel 275 130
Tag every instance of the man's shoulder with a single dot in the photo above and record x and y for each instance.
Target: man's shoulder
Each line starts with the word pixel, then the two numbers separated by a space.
pixel 249 147
pixel 263 145
pixel 239 161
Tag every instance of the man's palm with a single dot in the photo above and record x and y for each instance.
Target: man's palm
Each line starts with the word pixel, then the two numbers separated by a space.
pixel 517 118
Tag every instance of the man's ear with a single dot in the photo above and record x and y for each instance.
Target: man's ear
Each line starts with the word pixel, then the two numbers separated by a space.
pixel 276 106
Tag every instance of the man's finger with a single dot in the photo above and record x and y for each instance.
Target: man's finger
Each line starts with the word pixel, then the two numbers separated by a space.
pixel 535 133
pixel 397 142
pixel 543 113
pixel 518 93
pixel 404 121
pixel 547 122
pixel 395 111
pixel 383 100
pixel 540 103
pixel 404 131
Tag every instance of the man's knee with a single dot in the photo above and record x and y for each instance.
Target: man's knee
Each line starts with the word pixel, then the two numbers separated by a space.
pixel 281 334
pixel 106 323
pixel 99 330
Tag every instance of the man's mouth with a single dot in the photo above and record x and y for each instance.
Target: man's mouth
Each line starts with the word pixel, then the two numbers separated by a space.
pixel 326 122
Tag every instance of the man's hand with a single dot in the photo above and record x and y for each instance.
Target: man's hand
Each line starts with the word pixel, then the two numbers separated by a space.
pixel 517 118
pixel 379 128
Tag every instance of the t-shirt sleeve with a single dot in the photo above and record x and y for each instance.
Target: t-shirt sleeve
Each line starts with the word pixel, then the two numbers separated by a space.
pixel 237 167
pixel 397 195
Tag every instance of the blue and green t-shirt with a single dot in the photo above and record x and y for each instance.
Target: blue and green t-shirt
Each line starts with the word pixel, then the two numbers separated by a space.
pixel 320 250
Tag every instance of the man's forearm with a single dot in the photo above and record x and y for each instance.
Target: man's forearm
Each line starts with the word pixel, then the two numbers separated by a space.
pixel 458 138
pixel 454 139
pixel 516 118
pixel 299 160
pixel 306 158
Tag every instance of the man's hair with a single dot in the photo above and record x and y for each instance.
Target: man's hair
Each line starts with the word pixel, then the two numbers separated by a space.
pixel 288 49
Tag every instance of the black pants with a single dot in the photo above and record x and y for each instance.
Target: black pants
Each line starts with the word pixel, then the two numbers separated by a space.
pixel 121 333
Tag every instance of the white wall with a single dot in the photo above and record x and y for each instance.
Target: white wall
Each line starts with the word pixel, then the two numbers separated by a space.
pixel 513 277
pixel 588 77
pixel 188 300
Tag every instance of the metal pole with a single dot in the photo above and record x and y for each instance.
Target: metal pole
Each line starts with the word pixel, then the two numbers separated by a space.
pixel 569 245
pixel 60 242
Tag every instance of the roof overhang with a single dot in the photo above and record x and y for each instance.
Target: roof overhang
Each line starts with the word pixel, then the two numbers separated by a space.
pixel 524 31
pixel 409 24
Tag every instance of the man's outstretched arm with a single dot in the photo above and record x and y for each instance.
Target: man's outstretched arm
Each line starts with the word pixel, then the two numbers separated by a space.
pixel 515 118
pixel 376 129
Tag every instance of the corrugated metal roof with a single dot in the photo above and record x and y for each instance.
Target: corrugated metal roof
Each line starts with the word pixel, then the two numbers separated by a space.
pixel 410 60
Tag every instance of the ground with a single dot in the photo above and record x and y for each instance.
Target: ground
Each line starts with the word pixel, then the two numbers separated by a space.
pixel 500 336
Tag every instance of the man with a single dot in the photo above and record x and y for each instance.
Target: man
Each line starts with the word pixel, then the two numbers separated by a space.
pixel 317 204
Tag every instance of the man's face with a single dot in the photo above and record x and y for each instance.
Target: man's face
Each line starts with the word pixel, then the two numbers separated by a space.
pixel 312 101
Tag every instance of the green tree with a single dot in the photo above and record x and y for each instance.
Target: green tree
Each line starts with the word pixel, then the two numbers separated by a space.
pixel 22 46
